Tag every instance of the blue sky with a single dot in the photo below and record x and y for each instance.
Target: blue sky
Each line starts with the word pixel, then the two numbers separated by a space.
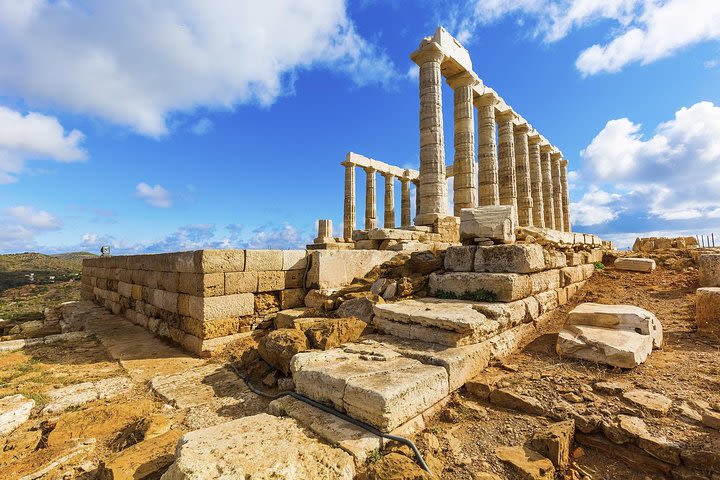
pixel 159 126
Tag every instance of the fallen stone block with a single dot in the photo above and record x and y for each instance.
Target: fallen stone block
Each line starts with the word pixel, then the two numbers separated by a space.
pixel 496 222
pixel 14 411
pixel 259 446
pixel 286 318
pixel 506 398
pixel 619 317
pixel 618 348
pixel 75 395
pixel 707 310
pixel 709 266
pixel 635 264
pixel 650 402
pixel 361 308
pixel 143 459
pixel 279 346
pixel 526 464
pixel 516 258
pixel 555 442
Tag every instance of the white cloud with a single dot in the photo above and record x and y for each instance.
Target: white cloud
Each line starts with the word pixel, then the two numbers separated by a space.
pixel 133 62
pixel 20 224
pixel 29 217
pixel 646 30
pixel 594 208
pixel 673 175
pixel 413 72
pixel 34 136
pixel 202 126
pixel 155 196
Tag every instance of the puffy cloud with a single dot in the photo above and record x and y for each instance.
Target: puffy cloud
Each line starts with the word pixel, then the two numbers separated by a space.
pixel 133 62
pixel 672 175
pixel 20 226
pixel 29 217
pixel 34 136
pixel 646 30
pixel 155 196
pixel 595 207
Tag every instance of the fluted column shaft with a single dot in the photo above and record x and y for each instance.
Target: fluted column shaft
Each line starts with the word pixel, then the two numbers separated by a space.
pixel 548 196
pixel 506 160
pixel 370 200
pixel 433 183
pixel 488 191
pixel 417 196
pixel 558 195
pixel 522 175
pixel 566 195
pixel 464 184
pixel 405 220
pixel 349 205
pixel 389 217
pixel 536 181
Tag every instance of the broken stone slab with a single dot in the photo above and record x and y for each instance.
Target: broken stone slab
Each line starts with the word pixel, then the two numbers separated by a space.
pixel 357 441
pixel 19 344
pixel 361 308
pixel 633 429
pixel 526 464
pixel 650 402
pixel 143 459
pixel 286 318
pixel 259 446
pixel 507 287
pixel 506 398
pixel 635 264
pixel 624 317
pixel 555 442
pixel 707 310
pixel 14 411
pixel 516 258
pixel 63 398
pixel 709 266
pixel 496 222
pixel 618 348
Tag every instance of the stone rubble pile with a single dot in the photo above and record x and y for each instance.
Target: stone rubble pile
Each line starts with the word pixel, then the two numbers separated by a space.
pixel 652 244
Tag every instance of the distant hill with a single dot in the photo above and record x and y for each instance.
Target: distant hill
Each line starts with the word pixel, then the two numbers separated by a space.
pixel 17 269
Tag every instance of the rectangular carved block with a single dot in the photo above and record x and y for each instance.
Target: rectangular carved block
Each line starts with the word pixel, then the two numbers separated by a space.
pixel 241 282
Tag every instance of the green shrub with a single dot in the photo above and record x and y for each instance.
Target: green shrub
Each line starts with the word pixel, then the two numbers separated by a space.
pixel 479 295
pixel 599 266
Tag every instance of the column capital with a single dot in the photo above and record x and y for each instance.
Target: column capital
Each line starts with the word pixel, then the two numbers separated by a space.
pixel 430 52
pixel 388 174
pixel 546 148
pixel 348 163
pixel 369 170
pixel 463 79
pixel 485 100
pixel 564 162
pixel 534 138
pixel 506 116
pixel 555 156
pixel 521 127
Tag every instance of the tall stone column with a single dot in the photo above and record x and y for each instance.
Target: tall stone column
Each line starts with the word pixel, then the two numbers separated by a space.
pixel 464 185
pixel 488 191
pixel 536 180
pixel 349 205
pixel 566 195
pixel 433 184
pixel 548 196
pixel 555 158
pixel 405 220
pixel 522 175
pixel 370 200
pixel 389 217
pixel 506 159
pixel 417 196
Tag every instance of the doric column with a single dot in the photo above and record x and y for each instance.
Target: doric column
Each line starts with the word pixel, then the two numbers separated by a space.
pixel 349 206
pixel 417 196
pixel 506 159
pixel 548 196
pixel 370 201
pixel 405 220
pixel 325 231
pixel 488 191
pixel 536 181
pixel 522 175
pixel 389 217
pixel 433 184
pixel 464 184
pixel 555 158
pixel 566 195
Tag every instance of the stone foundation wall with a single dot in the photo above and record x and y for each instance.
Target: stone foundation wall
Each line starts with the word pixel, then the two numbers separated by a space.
pixel 199 299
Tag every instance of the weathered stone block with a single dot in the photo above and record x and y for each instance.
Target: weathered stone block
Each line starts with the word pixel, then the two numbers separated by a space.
pixel 292 298
pixel 202 284
pixel 707 312
pixel 125 289
pixel 619 348
pixel 517 258
pixel 460 259
pixel 497 222
pixel 572 275
pixel 548 301
pixel 271 281
pixel 211 308
pixel 169 281
pixel 241 282
pixel 573 259
pixel 622 317
pixel 635 264
pixel 555 259
pixel 206 329
pixel 337 268
pixel 294 259
pixel 544 281
pixel 210 261
pixel 294 278
pixel 263 260
pixel 507 287
pixel 709 265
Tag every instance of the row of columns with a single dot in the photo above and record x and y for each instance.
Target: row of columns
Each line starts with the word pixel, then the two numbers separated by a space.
pixel 349 218
pixel 520 170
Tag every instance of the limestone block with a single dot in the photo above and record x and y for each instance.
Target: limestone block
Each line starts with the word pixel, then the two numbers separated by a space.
pixel 294 259
pixel 548 300
pixel 571 275
pixel 210 261
pixel 635 264
pixel 555 442
pixel 367 244
pixel 562 295
pixel 206 329
pixel 241 282
pixel 125 289
pixel 517 258
pixel 496 222
pixel 392 234
pixel 507 287
pixel 338 268
pixel 262 260
pixel 165 300
pixel 573 259
pixel 526 464
pixel 294 278
pixel 507 314
pixel 544 281
pixel 622 317
pixel 14 411
pixel 460 258
pixel 286 318
pixel 707 312
pixel 588 271
pixel 169 281
pixel 555 259
pixel 271 280
pixel 618 348
pixel 292 298
pixel 211 308
pixel 709 265
pixel 201 284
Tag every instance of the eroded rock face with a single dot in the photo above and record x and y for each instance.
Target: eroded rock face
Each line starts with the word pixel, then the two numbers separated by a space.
pixel 279 346
pixel 260 447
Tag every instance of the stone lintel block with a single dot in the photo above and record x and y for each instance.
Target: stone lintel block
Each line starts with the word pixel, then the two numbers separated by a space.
pixel 709 265
pixel 201 284
pixel 262 260
pixel 210 261
pixel 516 258
pixel 269 281
pixel 620 317
pixel 460 258
pixel 241 282
pixel 211 308
pixel 294 259
pixel 635 264
pixel 707 313
pixel 507 287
